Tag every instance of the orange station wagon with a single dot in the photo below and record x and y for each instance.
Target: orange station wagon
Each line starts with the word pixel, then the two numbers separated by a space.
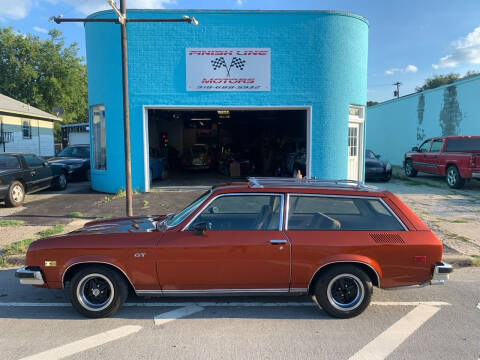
pixel 331 239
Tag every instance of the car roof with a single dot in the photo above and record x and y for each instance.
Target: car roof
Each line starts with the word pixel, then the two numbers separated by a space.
pixel 293 185
pixel 454 137
pixel 16 153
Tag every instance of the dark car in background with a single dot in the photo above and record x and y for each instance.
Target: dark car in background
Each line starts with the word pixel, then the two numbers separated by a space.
pixel 376 169
pixel 22 174
pixel 76 159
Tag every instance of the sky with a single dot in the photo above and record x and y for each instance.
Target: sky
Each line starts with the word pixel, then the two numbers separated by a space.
pixel 409 40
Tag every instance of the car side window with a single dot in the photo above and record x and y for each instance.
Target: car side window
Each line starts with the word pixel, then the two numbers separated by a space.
pixel 242 212
pixel 424 147
pixel 436 145
pixel 33 161
pixel 336 213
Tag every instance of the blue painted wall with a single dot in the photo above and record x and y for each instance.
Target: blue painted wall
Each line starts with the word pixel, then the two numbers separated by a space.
pixel 318 59
pixel 395 126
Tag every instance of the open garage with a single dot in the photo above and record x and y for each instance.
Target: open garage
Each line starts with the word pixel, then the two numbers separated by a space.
pixel 233 142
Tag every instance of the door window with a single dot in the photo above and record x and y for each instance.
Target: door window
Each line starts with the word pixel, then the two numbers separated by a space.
pixel 335 213
pixel 33 161
pixel 436 146
pixel 242 212
pixel 424 147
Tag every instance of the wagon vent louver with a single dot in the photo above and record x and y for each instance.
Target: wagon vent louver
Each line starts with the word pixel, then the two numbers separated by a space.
pixel 384 238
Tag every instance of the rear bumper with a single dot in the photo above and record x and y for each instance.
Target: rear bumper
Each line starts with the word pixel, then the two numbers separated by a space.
pixel 441 273
pixel 30 275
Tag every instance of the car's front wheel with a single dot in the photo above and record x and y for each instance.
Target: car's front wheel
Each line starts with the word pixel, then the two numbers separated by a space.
pixel 61 182
pixel 16 194
pixel 344 291
pixel 97 291
pixel 409 170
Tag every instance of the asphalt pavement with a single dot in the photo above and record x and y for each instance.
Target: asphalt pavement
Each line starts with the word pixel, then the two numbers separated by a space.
pixel 435 322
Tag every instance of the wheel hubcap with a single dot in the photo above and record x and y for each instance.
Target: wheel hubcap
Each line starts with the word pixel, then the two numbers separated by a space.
pixel 451 177
pixel 95 292
pixel 17 193
pixel 345 292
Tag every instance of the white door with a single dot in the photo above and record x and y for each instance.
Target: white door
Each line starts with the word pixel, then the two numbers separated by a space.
pixel 353 150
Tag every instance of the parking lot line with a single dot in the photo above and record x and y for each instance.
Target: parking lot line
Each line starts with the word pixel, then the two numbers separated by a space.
pixel 176 314
pixel 384 344
pixel 224 304
pixel 85 344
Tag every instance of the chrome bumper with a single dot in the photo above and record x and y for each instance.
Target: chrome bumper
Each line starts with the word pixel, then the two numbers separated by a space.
pixel 29 276
pixel 475 175
pixel 441 273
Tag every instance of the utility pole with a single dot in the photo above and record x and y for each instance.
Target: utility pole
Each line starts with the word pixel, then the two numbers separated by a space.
pixel 122 20
pixel 397 92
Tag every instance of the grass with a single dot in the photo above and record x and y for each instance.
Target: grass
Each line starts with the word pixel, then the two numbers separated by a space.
pixel 17 247
pixel 475 261
pixel 21 247
pixel 57 229
pixel 10 223
pixel 75 214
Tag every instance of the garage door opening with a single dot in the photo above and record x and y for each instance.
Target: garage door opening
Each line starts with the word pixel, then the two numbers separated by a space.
pixel 209 144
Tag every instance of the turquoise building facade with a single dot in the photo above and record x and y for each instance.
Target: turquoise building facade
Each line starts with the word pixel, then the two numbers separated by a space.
pixel 318 63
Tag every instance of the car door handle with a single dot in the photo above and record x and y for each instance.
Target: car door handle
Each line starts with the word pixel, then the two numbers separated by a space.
pixel 278 242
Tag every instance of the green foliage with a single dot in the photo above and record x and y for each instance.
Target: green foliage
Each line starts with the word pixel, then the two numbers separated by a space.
pixel 145 203
pixel 11 223
pixel 439 80
pixel 17 247
pixel 44 74
pixel 75 214
pixel 57 229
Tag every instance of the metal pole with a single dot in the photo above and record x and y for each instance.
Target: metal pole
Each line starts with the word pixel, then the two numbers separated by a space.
pixel 126 113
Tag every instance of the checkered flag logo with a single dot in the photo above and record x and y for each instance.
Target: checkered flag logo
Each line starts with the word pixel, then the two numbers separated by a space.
pixel 238 63
pixel 220 62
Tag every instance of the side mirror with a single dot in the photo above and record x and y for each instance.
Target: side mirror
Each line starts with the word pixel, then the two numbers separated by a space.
pixel 200 228
pixel 45 163
pixel 415 148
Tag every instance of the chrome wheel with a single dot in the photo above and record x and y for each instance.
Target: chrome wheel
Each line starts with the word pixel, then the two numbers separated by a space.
pixel 95 292
pixel 345 292
pixel 17 193
pixel 451 177
pixel 62 180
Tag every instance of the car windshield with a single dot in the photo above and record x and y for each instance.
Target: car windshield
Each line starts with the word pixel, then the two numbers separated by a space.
pixel 182 215
pixel 9 162
pixel 198 150
pixel 75 151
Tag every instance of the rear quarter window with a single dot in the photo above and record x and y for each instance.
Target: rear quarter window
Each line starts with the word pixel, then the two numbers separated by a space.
pixel 466 144
pixel 9 162
pixel 336 213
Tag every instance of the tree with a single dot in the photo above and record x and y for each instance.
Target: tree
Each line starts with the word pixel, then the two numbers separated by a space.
pixel 44 74
pixel 371 103
pixel 439 80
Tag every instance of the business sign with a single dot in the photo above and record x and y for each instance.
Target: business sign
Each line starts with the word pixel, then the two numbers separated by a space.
pixel 228 69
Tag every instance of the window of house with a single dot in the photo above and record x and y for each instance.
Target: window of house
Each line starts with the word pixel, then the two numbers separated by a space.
pixel 336 213
pixel 26 129
pixel 99 146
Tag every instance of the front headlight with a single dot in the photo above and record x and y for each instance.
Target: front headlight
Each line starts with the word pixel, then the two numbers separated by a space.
pixel 75 166
pixel 388 167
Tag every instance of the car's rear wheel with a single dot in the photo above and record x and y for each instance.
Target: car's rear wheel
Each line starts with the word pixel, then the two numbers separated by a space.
pixel 454 180
pixel 344 291
pixel 409 170
pixel 16 194
pixel 97 291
